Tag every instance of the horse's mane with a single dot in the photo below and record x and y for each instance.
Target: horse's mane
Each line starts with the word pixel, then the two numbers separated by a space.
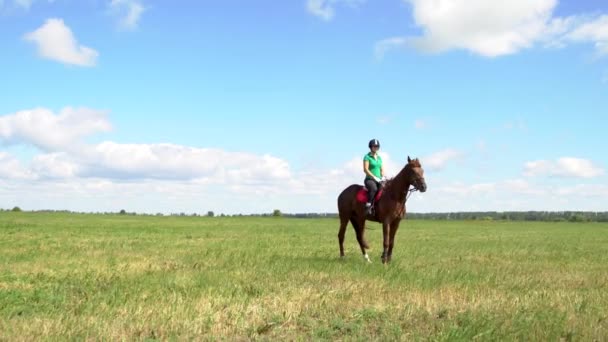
pixel 413 163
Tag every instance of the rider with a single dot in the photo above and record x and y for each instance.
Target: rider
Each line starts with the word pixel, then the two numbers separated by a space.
pixel 374 172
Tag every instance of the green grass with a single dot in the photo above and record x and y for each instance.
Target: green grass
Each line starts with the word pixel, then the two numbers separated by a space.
pixel 81 277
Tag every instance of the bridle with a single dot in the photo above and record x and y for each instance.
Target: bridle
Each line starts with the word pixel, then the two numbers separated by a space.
pixel 409 193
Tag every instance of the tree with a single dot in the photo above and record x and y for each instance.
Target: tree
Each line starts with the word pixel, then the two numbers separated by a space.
pixel 210 213
pixel 122 212
pixel 277 213
pixel 16 209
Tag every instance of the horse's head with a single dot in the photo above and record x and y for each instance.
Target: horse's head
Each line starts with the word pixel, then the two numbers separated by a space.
pixel 416 174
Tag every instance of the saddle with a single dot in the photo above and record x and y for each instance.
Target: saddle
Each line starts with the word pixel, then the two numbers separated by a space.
pixel 362 195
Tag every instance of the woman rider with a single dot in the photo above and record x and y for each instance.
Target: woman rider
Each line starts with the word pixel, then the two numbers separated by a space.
pixel 374 172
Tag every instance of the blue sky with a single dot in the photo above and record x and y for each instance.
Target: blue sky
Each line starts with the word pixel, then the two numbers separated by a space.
pixel 248 106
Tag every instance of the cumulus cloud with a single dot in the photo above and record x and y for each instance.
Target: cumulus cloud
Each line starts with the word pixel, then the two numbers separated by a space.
pixel 439 160
pixel 488 28
pixel 129 12
pixel 169 161
pixel 40 127
pixel 170 177
pixel 508 195
pixel 63 136
pixel 155 177
pixel 55 41
pixel 11 168
pixel 563 167
pixel 494 28
pixel 55 165
pixel 325 9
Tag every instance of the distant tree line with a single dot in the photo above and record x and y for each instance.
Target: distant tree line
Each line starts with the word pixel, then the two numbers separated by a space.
pixel 546 216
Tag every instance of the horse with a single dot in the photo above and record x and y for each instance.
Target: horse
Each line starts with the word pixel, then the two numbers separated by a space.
pixel 389 207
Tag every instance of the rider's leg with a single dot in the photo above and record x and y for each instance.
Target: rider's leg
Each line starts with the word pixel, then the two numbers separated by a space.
pixel 372 189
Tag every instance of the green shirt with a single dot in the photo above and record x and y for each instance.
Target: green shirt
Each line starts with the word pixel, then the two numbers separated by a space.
pixel 375 165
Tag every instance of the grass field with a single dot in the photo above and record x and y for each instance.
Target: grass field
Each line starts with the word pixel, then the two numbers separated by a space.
pixel 68 276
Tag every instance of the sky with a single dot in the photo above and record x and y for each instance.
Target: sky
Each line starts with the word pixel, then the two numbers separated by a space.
pixel 250 106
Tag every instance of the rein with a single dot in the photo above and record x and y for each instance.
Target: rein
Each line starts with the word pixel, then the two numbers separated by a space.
pixel 409 193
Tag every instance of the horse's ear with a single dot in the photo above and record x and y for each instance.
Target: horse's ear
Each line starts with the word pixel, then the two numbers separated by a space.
pixel 409 160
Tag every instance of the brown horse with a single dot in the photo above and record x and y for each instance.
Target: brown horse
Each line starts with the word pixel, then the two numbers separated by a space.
pixel 389 209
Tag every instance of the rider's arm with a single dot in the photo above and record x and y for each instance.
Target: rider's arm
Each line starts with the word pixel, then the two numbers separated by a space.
pixel 366 169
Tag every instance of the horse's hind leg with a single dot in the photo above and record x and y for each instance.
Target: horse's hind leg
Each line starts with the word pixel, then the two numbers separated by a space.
pixel 343 224
pixel 359 228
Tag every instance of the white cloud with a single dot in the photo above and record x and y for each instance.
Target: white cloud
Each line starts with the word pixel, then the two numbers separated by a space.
pixel 586 190
pixel 325 9
pixel 508 195
pixel 521 186
pixel 55 41
pixel 494 28
pixel 128 11
pixel 488 28
pixel 563 167
pixel 110 176
pixel 169 161
pixel 594 31
pixel 174 178
pixel 439 160
pixel 64 136
pixel 55 165
pixel 42 128
pixel 320 8
pixel 11 168
pixel 384 46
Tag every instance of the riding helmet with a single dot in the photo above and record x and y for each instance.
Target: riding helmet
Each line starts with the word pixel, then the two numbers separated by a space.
pixel 374 142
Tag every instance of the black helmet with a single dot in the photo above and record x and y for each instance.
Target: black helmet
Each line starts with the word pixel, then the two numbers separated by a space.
pixel 374 142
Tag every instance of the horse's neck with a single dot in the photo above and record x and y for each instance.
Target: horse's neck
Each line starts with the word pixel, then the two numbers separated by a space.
pixel 400 184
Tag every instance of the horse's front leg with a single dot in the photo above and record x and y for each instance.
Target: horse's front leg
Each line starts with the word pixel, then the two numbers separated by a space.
pixel 386 228
pixel 391 243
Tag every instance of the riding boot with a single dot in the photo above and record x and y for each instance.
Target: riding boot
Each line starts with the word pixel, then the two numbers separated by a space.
pixel 368 208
